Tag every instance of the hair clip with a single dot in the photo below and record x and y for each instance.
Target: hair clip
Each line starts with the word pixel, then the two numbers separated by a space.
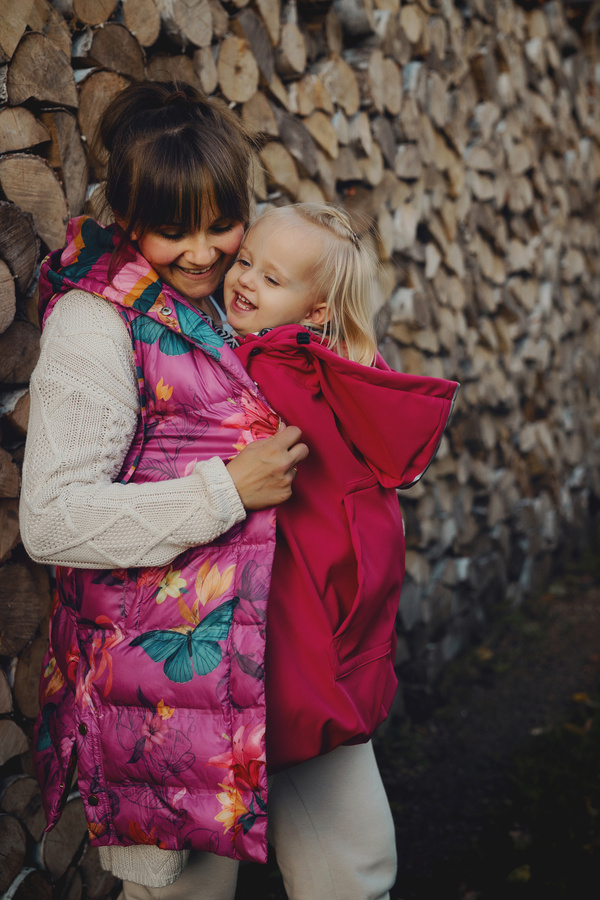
pixel 354 237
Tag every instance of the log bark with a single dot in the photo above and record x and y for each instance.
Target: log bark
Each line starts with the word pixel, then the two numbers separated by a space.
pixel 13 741
pixel 9 475
pixel 95 92
pixel 19 352
pixel 8 298
pixel 20 796
pixel 280 168
pixel 187 21
pixel 45 18
pixel 298 141
pixel 142 19
pixel 30 885
pixel 320 127
pixel 249 26
pixel 258 116
pixel 237 70
pixel 27 676
pixel 270 12
pixel 13 21
pixel 6 703
pixel 31 183
pixel 341 84
pixel 114 47
pixel 21 603
pixel 14 414
pixel 19 244
pixel 40 71
pixel 9 527
pixel 20 130
pixel 13 845
pixel 205 69
pixel 56 850
pixel 73 884
pixel 98 882
pixel 88 12
pixel 68 156
pixel 290 54
pixel 357 16
pixel 368 67
pixel 172 68
pixel 220 19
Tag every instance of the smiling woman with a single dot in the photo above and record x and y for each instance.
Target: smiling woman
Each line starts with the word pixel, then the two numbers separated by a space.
pixel 193 263
pixel 132 466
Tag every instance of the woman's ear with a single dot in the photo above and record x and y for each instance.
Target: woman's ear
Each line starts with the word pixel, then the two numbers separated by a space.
pixel 316 315
pixel 123 225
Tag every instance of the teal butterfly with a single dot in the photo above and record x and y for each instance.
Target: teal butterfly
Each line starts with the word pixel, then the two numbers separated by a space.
pixel 198 330
pixel 149 331
pixel 191 651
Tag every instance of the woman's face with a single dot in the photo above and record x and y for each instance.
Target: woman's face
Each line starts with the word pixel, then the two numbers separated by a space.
pixel 193 263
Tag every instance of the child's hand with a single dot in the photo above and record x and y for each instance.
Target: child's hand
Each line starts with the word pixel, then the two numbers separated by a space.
pixel 264 470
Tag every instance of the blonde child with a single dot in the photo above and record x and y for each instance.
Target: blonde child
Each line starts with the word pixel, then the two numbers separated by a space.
pixel 339 558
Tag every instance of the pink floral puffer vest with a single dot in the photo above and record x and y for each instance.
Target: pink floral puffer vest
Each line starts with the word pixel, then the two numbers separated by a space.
pixel 154 683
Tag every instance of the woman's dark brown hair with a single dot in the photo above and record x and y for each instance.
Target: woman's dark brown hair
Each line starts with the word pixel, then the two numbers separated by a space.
pixel 170 151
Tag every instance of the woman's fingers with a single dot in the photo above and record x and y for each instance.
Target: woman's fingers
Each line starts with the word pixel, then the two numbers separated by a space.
pixel 264 471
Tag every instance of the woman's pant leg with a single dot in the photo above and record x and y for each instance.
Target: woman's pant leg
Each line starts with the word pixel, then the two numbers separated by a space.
pixel 332 829
pixel 205 877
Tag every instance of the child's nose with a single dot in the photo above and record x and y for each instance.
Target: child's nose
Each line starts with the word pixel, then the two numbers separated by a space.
pixel 246 277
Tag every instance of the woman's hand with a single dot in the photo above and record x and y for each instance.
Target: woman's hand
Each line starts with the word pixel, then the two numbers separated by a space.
pixel 264 470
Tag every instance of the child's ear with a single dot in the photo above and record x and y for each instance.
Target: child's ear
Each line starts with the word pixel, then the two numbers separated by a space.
pixel 316 315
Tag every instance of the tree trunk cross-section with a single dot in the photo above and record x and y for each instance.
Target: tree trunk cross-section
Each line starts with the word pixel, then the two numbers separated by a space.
pixel 32 184
pixel 19 244
pixel 40 71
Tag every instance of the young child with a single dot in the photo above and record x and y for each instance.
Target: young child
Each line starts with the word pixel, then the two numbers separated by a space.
pixel 339 557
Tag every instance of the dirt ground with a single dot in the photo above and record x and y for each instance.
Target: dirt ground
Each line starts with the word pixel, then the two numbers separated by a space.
pixel 447 777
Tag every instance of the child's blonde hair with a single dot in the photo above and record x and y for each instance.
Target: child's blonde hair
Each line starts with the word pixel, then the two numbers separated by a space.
pixel 344 278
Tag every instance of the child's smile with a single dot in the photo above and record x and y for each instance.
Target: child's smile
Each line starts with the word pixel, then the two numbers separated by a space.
pixel 270 282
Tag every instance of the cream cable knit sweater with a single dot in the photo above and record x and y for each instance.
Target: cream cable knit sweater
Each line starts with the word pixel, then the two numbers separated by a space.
pixel 84 409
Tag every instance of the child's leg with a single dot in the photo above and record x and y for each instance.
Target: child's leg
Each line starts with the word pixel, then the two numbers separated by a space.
pixel 331 826
pixel 205 877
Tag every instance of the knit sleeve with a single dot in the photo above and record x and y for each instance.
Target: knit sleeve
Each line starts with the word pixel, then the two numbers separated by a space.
pixel 84 411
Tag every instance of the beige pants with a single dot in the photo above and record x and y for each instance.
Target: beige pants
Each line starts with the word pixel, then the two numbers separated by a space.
pixel 332 830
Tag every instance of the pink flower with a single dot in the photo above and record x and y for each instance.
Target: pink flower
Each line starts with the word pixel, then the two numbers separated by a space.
pixel 154 730
pixel 255 420
pixel 246 760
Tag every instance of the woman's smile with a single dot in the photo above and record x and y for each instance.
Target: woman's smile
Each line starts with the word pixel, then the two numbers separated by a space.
pixel 193 263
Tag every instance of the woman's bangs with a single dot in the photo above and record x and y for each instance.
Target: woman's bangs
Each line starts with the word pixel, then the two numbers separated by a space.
pixel 181 185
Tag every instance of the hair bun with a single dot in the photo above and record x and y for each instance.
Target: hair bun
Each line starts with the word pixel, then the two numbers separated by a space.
pixel 176 96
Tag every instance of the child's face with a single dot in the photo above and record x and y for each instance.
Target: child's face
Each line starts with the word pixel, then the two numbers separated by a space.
pixel 193 263
pixel 270 282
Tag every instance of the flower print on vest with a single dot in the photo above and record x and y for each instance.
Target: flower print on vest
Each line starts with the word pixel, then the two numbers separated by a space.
pixel 244 765
pixel 255 420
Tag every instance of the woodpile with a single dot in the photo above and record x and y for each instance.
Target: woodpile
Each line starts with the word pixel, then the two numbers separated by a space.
pixel 464 137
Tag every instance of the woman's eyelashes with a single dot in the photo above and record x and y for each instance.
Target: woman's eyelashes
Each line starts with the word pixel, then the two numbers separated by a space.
pixel 178 234
pixel 172 235
pixel 222 226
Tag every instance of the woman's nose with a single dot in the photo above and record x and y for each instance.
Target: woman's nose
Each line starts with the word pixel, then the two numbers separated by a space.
pixel 199 250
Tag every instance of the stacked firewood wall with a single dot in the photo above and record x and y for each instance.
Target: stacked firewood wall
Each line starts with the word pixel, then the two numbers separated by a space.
pixel 465 137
